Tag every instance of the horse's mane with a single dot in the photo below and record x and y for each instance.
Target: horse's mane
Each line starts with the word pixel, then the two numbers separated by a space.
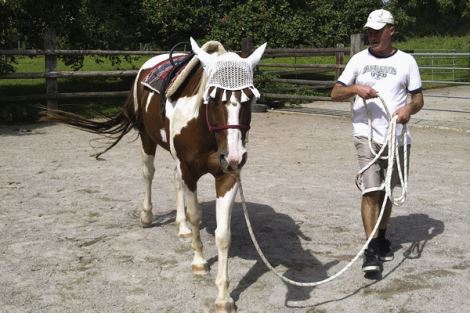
pixel 211 47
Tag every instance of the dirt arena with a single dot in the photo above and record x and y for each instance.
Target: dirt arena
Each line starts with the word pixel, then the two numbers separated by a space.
pixel 70 238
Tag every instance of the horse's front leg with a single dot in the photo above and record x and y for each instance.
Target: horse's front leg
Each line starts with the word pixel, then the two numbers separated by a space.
pixel 184 232
pixel 194 214
pixel 226 188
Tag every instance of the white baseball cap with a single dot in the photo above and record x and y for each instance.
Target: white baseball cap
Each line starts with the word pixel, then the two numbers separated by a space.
pixel 378 19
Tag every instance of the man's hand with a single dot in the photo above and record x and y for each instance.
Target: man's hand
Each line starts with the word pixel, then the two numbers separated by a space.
pixel 403 114
pixel 365 92
pixel 340 92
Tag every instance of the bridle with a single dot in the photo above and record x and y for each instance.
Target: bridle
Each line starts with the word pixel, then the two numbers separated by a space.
pixel 222 127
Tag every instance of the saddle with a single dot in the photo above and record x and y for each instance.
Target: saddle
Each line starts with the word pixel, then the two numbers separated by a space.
pixel 162 74
pixel 169 75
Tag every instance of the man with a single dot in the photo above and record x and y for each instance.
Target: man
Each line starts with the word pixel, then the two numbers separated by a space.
pixel 381 70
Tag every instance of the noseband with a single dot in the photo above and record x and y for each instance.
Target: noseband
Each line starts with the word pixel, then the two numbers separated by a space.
pixel 222 127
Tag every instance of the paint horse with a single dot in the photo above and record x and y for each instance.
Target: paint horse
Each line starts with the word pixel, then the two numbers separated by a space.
pixel 206 118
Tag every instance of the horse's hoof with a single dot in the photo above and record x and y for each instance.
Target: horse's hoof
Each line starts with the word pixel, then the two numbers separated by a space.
pixel 225 306
pixel 186 237
pixel 146 218
pixel 200 269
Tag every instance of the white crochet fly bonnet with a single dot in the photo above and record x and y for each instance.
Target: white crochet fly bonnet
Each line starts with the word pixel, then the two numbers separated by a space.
pixel 229 71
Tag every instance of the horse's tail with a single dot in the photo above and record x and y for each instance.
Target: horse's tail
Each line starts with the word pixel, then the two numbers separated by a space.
pixel 113 127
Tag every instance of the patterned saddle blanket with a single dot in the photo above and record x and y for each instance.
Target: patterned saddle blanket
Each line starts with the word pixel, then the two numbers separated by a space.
pixel 163 73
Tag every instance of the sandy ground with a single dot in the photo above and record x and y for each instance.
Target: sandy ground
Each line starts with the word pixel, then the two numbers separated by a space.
pixel 70 239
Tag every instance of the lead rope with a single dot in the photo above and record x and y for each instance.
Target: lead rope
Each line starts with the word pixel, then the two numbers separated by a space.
pixel 393 153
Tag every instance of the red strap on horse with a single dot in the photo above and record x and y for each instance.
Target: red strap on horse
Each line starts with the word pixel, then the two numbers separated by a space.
pixel 222 127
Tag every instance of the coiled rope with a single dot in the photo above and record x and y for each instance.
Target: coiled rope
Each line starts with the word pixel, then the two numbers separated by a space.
pixel 393 155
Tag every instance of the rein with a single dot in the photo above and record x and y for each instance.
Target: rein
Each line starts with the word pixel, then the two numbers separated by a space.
pixel 392 156
pixel 222 127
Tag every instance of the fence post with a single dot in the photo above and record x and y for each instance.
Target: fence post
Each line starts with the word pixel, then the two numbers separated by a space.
pixel 357 44
pixel 339 60
pixel 50 41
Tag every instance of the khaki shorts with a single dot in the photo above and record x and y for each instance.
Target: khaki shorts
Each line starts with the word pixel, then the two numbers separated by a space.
pixel 373 178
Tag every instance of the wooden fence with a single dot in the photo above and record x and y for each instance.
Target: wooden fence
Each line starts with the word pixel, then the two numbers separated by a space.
pixel 51 74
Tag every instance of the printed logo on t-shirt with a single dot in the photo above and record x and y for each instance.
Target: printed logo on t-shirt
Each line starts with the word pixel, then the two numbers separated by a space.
pixel 379 71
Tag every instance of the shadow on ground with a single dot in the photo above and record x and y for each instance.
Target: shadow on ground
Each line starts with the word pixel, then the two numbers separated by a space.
pixel 415 231
pixel 280 239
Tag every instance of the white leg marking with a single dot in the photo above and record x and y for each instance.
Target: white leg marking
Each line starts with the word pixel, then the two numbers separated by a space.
pixel 184 232
pixel 222 237
pixel 194 213
pixel 148 170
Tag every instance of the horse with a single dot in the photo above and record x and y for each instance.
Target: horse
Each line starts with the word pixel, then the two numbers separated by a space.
pixel 203 122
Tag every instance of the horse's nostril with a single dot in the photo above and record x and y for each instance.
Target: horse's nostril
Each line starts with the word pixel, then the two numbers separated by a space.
pixel 223 161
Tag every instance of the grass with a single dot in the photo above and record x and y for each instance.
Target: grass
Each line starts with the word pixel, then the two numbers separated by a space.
pixel 92 63
pixel 448 43
pixel 440 44
pixel 27 111
pixel 421 44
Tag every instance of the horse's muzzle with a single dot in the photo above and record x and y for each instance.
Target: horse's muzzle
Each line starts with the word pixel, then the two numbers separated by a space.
pixel 232 164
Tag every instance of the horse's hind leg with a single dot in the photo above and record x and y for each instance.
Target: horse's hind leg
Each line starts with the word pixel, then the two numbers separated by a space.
pixel 148 169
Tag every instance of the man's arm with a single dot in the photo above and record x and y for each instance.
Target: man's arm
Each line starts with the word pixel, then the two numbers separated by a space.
pixel 341 92
pixel 404 113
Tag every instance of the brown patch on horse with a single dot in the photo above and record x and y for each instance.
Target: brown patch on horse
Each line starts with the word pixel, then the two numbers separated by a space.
pixel 224 184
pixel 194 146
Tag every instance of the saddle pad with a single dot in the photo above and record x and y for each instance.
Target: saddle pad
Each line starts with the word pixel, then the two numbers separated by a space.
pixel 157 79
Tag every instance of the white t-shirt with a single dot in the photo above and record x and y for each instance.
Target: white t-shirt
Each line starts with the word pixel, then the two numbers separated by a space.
pixel 393 77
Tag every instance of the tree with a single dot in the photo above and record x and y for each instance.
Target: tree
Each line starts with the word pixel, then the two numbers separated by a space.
pixel 170 22
pixel 8 35
pixel 284 23
pixel 432 17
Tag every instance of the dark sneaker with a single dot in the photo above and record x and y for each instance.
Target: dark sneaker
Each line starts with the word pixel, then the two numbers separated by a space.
pixel 371 261
pixel 385 251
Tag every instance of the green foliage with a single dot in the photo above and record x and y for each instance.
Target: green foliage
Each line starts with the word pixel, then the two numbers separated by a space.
pixel 171 22
pixel 283 23
pixel 432 17
pixel 125 24
pixel 8 34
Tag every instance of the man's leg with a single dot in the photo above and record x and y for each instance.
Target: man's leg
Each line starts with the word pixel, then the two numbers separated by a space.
pixel 370 211
pixel 385 251
pixel 370 207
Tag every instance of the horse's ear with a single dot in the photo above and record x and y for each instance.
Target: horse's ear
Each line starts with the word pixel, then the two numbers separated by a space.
pixel 255 57
pixel 204 57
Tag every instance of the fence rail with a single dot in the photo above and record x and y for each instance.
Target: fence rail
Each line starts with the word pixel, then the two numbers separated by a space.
pixel 51 74
pixel 55 52
pixel 444 67
pixel 437 63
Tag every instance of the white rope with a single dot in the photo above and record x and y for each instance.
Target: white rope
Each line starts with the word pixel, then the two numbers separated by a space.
pixel 393 153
